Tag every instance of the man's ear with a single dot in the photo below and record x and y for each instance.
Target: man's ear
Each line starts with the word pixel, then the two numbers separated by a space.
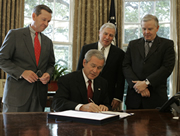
pixel 34 16
pixel 84 62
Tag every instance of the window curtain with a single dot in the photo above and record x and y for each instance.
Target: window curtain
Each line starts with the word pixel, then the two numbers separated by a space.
pixel 12 16
pixel 89 16
pixel 178 44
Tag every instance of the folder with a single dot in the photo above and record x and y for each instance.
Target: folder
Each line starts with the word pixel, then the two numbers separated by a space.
pixel 84 117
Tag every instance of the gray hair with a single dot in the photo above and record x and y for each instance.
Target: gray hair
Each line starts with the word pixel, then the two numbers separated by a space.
pixel 108 25
pixel 149 17
pixel 94 52
pixel 38 8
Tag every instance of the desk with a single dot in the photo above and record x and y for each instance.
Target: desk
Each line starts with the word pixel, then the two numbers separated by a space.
pixel 142 123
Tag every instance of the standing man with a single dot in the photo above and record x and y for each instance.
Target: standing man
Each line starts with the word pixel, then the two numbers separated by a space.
pixel 112 70
pixel 148 63
pixel 27 57
pixel 83 90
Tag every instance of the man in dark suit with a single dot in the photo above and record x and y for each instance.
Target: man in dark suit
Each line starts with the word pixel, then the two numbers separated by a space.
pixel 148 63
pixel 72 93
pixel 27 77
pixel 112 70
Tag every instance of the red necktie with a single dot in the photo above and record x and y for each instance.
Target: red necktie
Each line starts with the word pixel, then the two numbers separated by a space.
pixel 37 48
pixel 89 91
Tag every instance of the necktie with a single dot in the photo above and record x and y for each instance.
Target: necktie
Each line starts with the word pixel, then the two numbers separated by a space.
pixel 89 91
pixel 37 48
pixel 102 50
pixel 147 47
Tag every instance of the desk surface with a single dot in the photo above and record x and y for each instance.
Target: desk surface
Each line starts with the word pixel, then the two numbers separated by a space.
pixel 142 123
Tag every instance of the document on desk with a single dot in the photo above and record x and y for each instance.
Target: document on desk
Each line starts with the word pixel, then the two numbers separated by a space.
pixel 85 117
pixel 121 114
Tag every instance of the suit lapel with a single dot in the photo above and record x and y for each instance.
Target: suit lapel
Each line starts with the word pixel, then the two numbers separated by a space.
pixel 97 90
pixel 154 47
pixel 43 48
pixel 81 86
pixel 28 42
pixel 110 57
pixel 141 47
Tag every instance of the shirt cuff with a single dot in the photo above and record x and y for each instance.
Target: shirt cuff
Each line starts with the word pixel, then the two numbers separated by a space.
pixel 117 99
pixel 78 107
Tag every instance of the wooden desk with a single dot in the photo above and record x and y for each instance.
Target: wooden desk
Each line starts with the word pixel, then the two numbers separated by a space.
pixel 142 123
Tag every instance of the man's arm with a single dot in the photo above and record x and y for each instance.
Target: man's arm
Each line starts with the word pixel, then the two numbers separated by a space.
pixel 7 51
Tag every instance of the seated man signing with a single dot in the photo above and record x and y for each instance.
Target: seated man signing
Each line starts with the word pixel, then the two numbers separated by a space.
pixel 84 90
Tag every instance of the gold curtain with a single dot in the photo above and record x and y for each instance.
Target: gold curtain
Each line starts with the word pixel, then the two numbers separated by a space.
pixel 89 16
pixel 12 16
pixel 178 43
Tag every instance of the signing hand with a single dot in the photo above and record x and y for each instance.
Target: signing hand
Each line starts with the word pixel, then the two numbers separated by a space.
pixel 45 78
pixel 30 76
pixel 90 107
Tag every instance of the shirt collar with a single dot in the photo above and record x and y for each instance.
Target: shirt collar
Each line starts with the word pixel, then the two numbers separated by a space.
pixel 85 77
pixel 100 46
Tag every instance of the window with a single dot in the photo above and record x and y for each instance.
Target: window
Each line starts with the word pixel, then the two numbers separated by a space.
pixel 134 10
pixel 59 29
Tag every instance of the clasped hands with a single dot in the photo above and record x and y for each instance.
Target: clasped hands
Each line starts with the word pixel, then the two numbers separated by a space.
pixel 92 107
pixel 31 77
pixel 141 88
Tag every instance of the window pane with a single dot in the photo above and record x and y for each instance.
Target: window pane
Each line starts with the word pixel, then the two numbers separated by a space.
pixel 27 21
pixel 61 31
pixel 63 53
pixel 130 32
pixel 49 30
pixel 131 12
pixel 62 10
pixel 163 11
pixel 146 7
pixel 29 5
pixel 164 31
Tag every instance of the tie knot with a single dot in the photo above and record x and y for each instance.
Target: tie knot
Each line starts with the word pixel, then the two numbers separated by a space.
pixel 36 33
pixel 89 81
pixel 148 42
pixel 102 49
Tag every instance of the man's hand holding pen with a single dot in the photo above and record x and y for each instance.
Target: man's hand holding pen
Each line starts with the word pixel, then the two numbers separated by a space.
pixel 92 107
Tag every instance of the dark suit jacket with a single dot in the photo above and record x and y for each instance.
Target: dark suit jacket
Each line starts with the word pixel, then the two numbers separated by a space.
pixel 112 70
pixel 156 67
pixel 17 55
pixel 72 91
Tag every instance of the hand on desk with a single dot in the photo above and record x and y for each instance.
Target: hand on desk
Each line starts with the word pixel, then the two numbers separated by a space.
pixel 91 107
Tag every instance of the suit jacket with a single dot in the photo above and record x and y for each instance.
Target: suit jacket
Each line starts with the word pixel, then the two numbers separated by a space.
pixel 72 91
pixel 112 70
pixel 17 55
pixel 156 67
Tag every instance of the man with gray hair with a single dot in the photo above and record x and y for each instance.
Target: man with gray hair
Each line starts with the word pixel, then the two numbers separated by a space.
pixel 83 90
pixel 112 70
pixel 148 63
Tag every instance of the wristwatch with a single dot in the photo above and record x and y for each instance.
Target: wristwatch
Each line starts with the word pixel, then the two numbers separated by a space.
pixel 147 82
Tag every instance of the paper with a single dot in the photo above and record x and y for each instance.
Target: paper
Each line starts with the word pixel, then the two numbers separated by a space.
pixel 121 114
pixel 84 115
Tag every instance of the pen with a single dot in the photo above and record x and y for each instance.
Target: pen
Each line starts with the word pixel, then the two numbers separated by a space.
pixel 91 100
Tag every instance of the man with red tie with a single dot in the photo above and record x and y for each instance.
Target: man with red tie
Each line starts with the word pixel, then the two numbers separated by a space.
pixel 27 57
pixel 83 90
